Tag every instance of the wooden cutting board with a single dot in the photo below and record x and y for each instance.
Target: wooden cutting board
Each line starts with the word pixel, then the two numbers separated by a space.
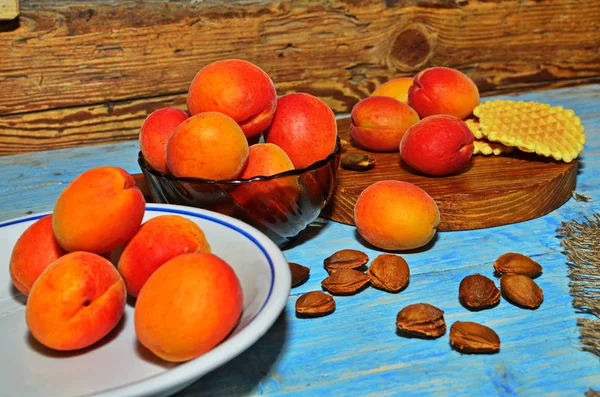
pixel 491 191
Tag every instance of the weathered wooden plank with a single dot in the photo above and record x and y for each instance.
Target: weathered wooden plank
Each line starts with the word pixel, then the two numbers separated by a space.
pixel 94 52
pixel 9 9
pixel 83 125
pixel 104 123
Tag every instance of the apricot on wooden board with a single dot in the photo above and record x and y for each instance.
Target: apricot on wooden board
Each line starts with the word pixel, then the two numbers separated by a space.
pixel 396 215
pixel 441 90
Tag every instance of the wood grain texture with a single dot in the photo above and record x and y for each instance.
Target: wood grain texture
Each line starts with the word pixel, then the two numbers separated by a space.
pixel 69 127
pixel 355 352
pixel 9 9
pixel 491 191
pixel 63 59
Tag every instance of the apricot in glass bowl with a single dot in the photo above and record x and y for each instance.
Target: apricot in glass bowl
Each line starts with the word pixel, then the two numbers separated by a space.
pixel 281 205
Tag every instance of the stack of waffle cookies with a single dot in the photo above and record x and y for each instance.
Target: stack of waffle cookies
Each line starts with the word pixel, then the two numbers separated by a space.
pixel 502 126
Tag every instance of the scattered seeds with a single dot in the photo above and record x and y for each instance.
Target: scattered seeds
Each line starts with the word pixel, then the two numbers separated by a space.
pixel 345 282
pixel 521 290
pixel 358 162
pixel 478 292
pixel 421 319
pixel 512 262
pixel 469 337
pixel 299 273
pixel 389 272
pixel 315 304
pixel 345 259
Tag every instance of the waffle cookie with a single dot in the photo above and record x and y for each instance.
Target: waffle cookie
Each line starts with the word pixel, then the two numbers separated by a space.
pixel 473 125
pixel 485 147
pixel 549 131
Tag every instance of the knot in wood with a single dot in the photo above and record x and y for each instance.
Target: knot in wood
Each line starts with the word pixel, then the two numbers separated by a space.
pixel 411 47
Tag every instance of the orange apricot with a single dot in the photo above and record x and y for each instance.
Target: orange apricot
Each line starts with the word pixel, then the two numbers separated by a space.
pixel 188 306
pixel 98 211
pixel 34 251
pixel 75 302
pixel 378 123
pixel 396 215
pixel 267 199
pixel 158 240
pixel 442 90
pixel 237 88
pixel 208 145
pixel 395 88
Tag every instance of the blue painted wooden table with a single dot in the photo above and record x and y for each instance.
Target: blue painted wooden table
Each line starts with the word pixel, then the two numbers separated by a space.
pixel 356 351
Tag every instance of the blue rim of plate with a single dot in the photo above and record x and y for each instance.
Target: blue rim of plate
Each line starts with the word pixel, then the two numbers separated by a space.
pixel 196 215
pixel 183 376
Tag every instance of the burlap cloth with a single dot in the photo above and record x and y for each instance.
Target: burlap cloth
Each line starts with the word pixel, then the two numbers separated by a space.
pixel 581 242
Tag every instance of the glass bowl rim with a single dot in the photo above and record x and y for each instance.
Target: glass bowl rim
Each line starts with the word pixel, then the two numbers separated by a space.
pixel 295 172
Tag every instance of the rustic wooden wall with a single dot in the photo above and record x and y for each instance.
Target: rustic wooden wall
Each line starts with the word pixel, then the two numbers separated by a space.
pixel 90 71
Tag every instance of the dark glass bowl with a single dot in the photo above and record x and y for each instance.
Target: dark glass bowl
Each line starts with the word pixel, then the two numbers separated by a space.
pixel 281 206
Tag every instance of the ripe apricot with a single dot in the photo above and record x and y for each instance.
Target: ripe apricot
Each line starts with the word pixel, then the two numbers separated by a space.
pixel 440 90
pixel 378 123
pixel 304 127
pixel 267 200
pixel 395 88
pixel 155 133
pixel 396 215
pixel 188 306
pixel 99 210
pixel 34 251
pixel 437 145
pixel 237 88
pixel 158 240
pixel 75 302
pixel 208 145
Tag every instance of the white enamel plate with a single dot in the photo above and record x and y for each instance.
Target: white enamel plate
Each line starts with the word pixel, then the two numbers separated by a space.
pixel 118 365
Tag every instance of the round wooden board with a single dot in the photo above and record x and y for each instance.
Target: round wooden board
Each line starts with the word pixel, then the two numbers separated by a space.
pixel 491 191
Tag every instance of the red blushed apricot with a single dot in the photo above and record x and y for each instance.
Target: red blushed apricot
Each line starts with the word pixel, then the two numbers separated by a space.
pixel 304 127
pixel 208 145
pixel 158 240
pixel 272 197
pixel 237 88
pixel 378 123
pixel 98 211
pixel 442 90
pixel 188 306
pixel 395 215
pixel 395 88
pixel 437 145
pixel 34 251
pixel 266 159
pixel 155 133
pixel 75 302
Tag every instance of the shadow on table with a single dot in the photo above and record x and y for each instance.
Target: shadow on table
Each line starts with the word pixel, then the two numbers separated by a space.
pixel 243 374
pixel 311 232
